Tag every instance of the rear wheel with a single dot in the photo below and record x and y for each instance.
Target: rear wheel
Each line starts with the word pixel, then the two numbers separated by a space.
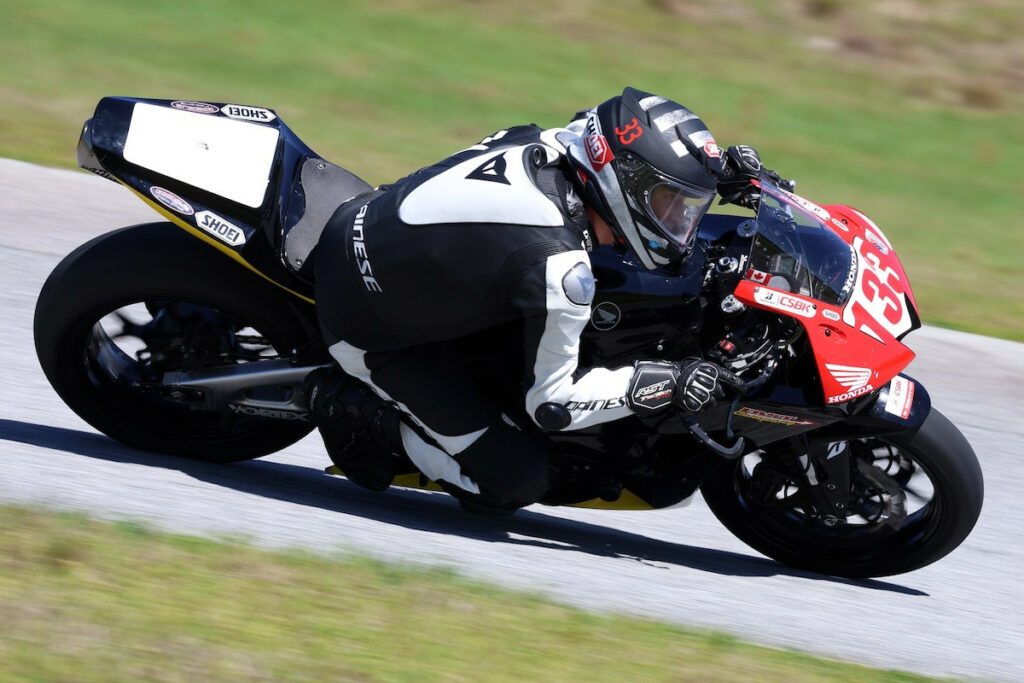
pixel 913 499
pixel 125 308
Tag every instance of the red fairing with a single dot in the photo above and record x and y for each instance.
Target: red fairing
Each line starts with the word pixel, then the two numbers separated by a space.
pixel 851 224
pixel 855 346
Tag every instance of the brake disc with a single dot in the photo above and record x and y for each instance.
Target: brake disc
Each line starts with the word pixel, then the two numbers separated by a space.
pixel 877 496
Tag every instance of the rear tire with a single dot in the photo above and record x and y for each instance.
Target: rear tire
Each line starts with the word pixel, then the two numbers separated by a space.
pixel 927 534
pixel 159 264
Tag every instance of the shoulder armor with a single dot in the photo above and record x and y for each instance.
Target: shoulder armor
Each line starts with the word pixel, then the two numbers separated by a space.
pixel 493 187
pixel 579 285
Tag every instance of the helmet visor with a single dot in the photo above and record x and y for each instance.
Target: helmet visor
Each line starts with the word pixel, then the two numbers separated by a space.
pixel 677 209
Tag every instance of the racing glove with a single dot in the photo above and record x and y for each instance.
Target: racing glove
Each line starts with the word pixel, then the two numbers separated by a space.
pixel 740 165
pixel 692 385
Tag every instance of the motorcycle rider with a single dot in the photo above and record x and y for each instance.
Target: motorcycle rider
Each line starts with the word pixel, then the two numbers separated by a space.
pixel 501 232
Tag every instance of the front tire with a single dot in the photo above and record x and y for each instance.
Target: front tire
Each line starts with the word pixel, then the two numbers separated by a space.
pixel 204 310
pixel 891 538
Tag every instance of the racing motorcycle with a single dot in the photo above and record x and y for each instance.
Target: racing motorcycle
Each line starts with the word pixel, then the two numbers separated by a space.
pixel 192 336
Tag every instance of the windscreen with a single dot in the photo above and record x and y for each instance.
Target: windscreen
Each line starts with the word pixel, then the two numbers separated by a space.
pixel 793 250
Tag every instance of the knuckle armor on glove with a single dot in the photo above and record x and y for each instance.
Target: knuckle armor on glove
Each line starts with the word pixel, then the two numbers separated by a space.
pixel 743 160
pixel 740 165
pixel 698 386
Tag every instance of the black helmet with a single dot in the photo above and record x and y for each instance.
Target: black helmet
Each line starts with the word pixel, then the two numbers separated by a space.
pixel 649 167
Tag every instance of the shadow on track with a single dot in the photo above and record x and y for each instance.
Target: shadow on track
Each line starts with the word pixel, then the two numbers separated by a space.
pixel 421 510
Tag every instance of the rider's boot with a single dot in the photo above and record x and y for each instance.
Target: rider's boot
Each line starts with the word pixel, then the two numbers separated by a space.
pixel 359 429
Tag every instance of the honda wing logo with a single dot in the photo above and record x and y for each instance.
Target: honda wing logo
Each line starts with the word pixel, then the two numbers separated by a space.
pixel 853 378
pixel 605 316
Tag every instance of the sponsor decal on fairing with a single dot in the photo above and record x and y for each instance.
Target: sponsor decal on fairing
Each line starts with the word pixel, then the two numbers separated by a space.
pixel 220 228
pixel 231 159
pixel 851 277
pixel 830 315
pixel 246 113
pixel 874 227
pixel 850 395
pixel 808 206
pixel 901 397
pixel 775 418
pixel 784 302
pixel 876 242
pixel 854 378
pixel 171 200
pixel 196 107
pixel 849 376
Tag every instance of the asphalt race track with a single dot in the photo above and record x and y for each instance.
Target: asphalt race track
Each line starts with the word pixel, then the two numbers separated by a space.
pixel 963 616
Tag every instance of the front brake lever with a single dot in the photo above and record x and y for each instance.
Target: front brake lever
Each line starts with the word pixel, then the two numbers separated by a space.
pixel 741 388
pixel 729 453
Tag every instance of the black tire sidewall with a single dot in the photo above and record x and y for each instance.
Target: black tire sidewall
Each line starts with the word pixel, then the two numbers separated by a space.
pixel 950 463
pixel 150 262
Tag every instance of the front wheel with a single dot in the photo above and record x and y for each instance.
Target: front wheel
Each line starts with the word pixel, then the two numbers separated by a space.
pixel 913 499
pixel 124 309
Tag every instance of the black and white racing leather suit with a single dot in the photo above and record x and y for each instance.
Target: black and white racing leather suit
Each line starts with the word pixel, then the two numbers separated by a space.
pixel 492 234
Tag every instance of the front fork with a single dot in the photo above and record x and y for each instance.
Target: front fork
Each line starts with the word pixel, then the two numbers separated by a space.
pixel 827 469
pixel 827 460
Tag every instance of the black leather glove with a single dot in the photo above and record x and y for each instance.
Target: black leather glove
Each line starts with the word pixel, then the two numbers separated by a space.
pixel 740 165
pixel 698 386
pixel 692 385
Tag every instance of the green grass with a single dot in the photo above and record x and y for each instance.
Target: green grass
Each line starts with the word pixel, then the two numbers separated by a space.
pixel 88 601
pixel 910 111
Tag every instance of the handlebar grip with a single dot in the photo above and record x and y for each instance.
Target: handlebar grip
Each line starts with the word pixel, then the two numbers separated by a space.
pixel 731 380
